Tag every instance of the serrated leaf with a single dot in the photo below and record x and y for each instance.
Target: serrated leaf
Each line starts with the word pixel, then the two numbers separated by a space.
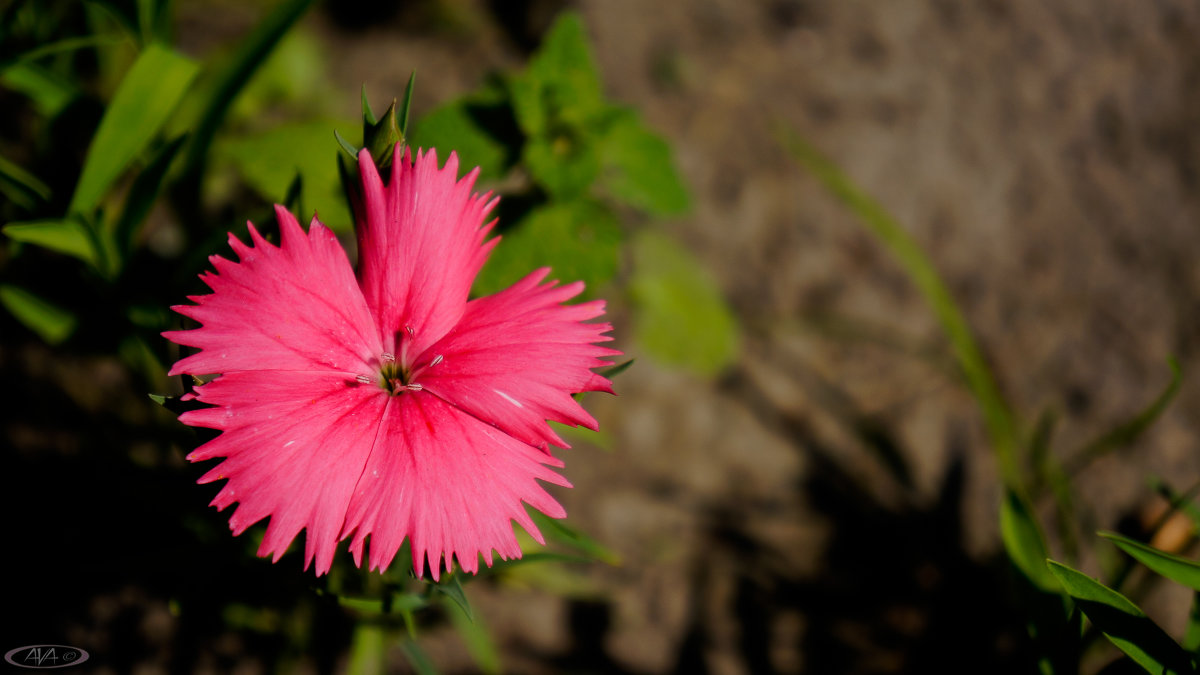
pixel 1176 568
pixel 637 168
pixel 1024 542
pixel 68 236
pixel 463 126
pixel 565 165
pixel 1123 623
pixel 561 84
pixel 51 322
pixel 147 95
pixel 475 637
pixel 681 317
pixel 579 240
pixel 269 162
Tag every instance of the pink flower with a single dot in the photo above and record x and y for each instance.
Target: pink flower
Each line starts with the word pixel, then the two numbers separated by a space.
pixel 381 402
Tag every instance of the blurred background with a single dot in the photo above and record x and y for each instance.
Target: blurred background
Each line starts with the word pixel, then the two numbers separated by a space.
pixel 793 478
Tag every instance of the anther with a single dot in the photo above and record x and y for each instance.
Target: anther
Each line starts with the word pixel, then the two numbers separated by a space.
pixel 413 387
pixel 363 378
pixel 436 360
pixel 387 357
pixel 410 331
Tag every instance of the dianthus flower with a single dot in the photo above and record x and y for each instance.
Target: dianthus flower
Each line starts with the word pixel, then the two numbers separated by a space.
pixel 380 402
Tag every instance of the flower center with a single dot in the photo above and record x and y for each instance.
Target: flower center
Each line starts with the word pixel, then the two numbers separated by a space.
pixel 395 377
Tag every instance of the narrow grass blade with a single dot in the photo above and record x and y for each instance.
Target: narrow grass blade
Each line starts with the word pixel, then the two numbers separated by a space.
pixel 1001 425
pixel 1176 568
pixel 1128 431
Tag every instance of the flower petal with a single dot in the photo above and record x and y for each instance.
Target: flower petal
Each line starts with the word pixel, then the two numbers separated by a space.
pixel 516 357
pixel 449 483
pixel 292 307
pixel 421 244
pixel 295 445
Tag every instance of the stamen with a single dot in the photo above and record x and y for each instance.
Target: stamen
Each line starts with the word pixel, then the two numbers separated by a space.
pixel 413 387
pixel 436 360
pixel 364 379
pixel 387 357
pixel 409 329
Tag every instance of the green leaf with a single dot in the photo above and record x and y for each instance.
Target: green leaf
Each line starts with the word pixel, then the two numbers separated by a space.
pixel 1024 541
pixel 617 369
pixel 637 168
pixel 368 649
pixel 51 322
pixel 565 165
pixel 681 317
pixel 417 658
pixel 561 84
pixel 150 91
pixel 460 126
pixel 142 195
pixel 251 53
pixel 270 161
pixel 1191 635
pixel 578 240
pixel 49 92
pixel 1123 623
pixel 20 186
pixel 452 588
pixel 1127 432
pixel 558 531
pixel 1176 568
pixel 476 638
pixel 998 416
pixel 406 106
pixel 63 236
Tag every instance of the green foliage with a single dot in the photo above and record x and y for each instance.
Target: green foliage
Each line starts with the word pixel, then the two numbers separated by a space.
pixel 147 96
pixel 68 236
pixel 586 158
pixel 681 316
pixel 577 240
pixel 1123 623
pixel 51 322
pixel 1176 568
pixel 1024 542
pixel 269 162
